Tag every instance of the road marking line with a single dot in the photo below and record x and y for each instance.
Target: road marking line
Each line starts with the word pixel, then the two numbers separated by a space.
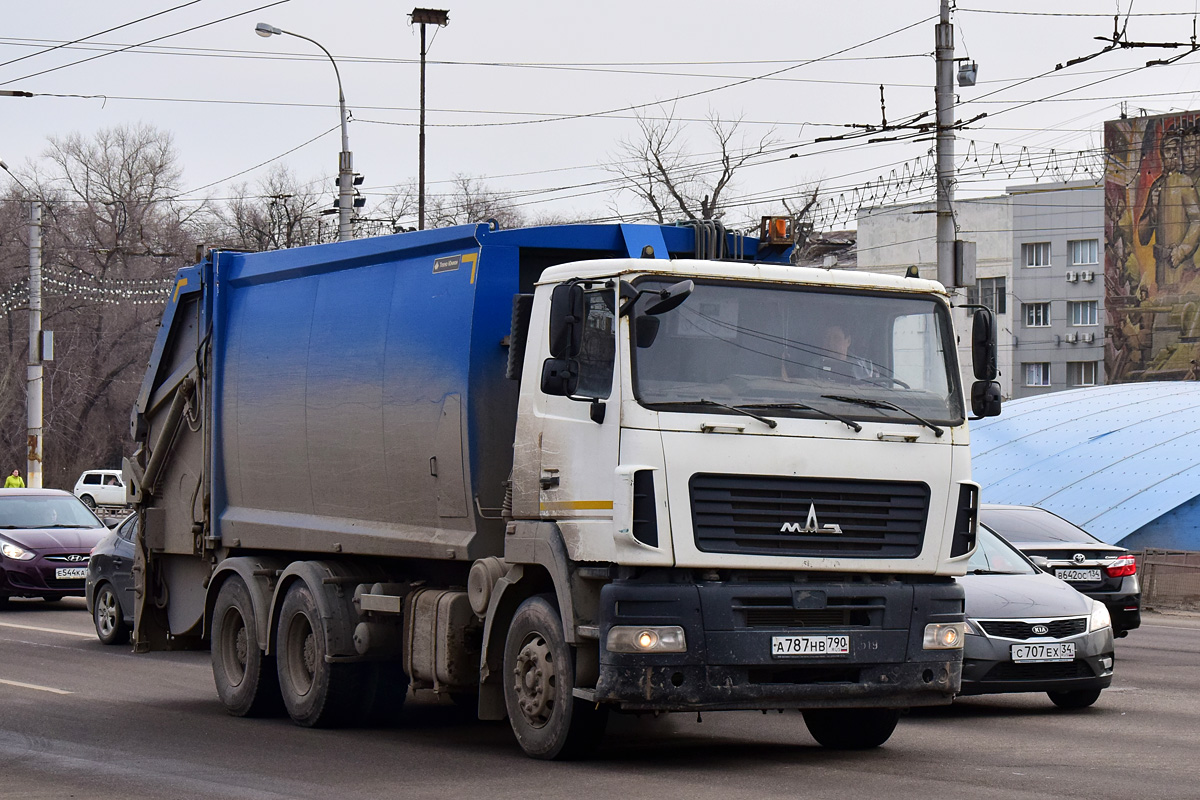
pixel 44 630
pixel 35 686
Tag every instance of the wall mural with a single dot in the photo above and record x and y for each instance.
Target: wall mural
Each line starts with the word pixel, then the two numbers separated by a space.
pixel 1151 244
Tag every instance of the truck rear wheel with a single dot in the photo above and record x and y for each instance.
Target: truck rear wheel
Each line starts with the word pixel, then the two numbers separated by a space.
pixel 851 728
pixel 245 677
pixel 539 679
pixel 317 694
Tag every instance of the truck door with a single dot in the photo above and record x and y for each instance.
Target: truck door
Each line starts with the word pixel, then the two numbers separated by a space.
pixel 578 454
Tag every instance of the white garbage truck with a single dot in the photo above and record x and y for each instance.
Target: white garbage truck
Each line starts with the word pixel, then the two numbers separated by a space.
pixel 557 473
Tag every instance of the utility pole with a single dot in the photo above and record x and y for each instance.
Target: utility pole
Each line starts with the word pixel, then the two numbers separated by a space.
pixel 423 17
pixel 33 384
pixel 944 103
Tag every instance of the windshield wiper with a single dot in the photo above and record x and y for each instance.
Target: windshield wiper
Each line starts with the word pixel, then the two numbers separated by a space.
pixel 770 423
pixel 862 401
pixel 802 407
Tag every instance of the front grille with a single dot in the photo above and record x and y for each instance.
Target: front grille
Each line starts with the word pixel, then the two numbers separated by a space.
pixel 764 612
pixel 76 559
pixel 1019 629
pixel 774 515
pixel 804 618
pixel 1060 670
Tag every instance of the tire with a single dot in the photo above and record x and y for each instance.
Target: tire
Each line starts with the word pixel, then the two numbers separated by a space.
pixel 316 694
pixel 539 678
pixel 244 675
pixel 851 728
pixel 88 501
pixel 1080 698
pixel 108 616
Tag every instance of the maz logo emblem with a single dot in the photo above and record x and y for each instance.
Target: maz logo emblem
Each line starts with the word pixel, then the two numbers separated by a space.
pixel 1040 630
pixel 810 525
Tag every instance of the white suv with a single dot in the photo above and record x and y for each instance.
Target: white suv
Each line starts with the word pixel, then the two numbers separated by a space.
pixel 101 487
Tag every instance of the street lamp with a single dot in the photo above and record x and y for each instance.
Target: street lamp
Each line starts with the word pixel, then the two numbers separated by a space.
pixel 345 159
pixel 423 17
pixel 37 343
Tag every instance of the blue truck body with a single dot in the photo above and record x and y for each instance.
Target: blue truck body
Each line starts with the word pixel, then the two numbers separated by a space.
pixel 358 395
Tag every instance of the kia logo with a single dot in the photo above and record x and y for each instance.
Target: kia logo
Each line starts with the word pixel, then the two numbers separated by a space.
pixel 1079 558
pixel 1040 630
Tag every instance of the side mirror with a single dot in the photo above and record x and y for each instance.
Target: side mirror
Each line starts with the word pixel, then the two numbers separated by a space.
pixel 671 297
pixel 560 377
pixel 1041 562
pixel 983 345
pixel 645 330
pixel 566 320
pixel 985 399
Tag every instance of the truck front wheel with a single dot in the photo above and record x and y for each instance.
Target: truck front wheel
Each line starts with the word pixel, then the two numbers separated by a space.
pixel 539 678
pixel 851 728
pixel 245 678
pixel 317 694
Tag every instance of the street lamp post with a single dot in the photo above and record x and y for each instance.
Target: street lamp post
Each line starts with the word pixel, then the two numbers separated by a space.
pixel 34 370
pixel 423 17
pixel 345 159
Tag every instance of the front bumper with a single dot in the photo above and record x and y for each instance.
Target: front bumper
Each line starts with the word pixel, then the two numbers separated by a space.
pixel 988 667
pixel 36 577
pixel 729 626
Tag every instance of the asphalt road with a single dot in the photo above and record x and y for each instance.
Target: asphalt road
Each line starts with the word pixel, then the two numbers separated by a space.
pixel 80 720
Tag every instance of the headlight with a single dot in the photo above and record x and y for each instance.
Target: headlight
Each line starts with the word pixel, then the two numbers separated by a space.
pixel 10 550
pixel 1100 617
pixel 944 635
pixel 649 639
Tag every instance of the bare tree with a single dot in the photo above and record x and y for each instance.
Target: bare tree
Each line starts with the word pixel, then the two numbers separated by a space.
pixel 113 238
pixel 280 212
pixel 670 182
pixel 468 200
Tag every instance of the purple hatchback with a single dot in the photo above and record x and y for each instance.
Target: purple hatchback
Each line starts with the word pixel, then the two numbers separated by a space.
pixel 45 538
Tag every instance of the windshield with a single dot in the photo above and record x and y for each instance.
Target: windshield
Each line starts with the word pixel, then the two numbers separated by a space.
pixel 994 556
pixel 800 351
pixel 45 511
pixel 1034 525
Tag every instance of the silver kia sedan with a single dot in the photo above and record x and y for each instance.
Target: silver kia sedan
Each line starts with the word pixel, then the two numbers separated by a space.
pixel 1028 631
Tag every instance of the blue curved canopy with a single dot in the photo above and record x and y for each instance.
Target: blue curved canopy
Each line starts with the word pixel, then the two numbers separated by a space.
pixel 1121 461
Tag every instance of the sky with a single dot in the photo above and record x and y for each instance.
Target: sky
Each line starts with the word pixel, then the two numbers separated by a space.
pixel 534 98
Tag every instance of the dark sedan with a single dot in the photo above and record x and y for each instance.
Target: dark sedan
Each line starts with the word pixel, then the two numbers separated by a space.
pixel 46 536
pixel 1103 572
pixel 1030 632
pixel 110 583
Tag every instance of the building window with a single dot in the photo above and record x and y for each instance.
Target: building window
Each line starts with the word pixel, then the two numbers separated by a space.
pixel 989 292
pixel 1036 254
pixel 1037 373
pixel 1081 373
pixel 1037 315
pixel 1082 312
pixel 1084 252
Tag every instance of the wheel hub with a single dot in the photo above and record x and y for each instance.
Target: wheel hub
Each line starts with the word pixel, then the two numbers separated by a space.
pixel 534 679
